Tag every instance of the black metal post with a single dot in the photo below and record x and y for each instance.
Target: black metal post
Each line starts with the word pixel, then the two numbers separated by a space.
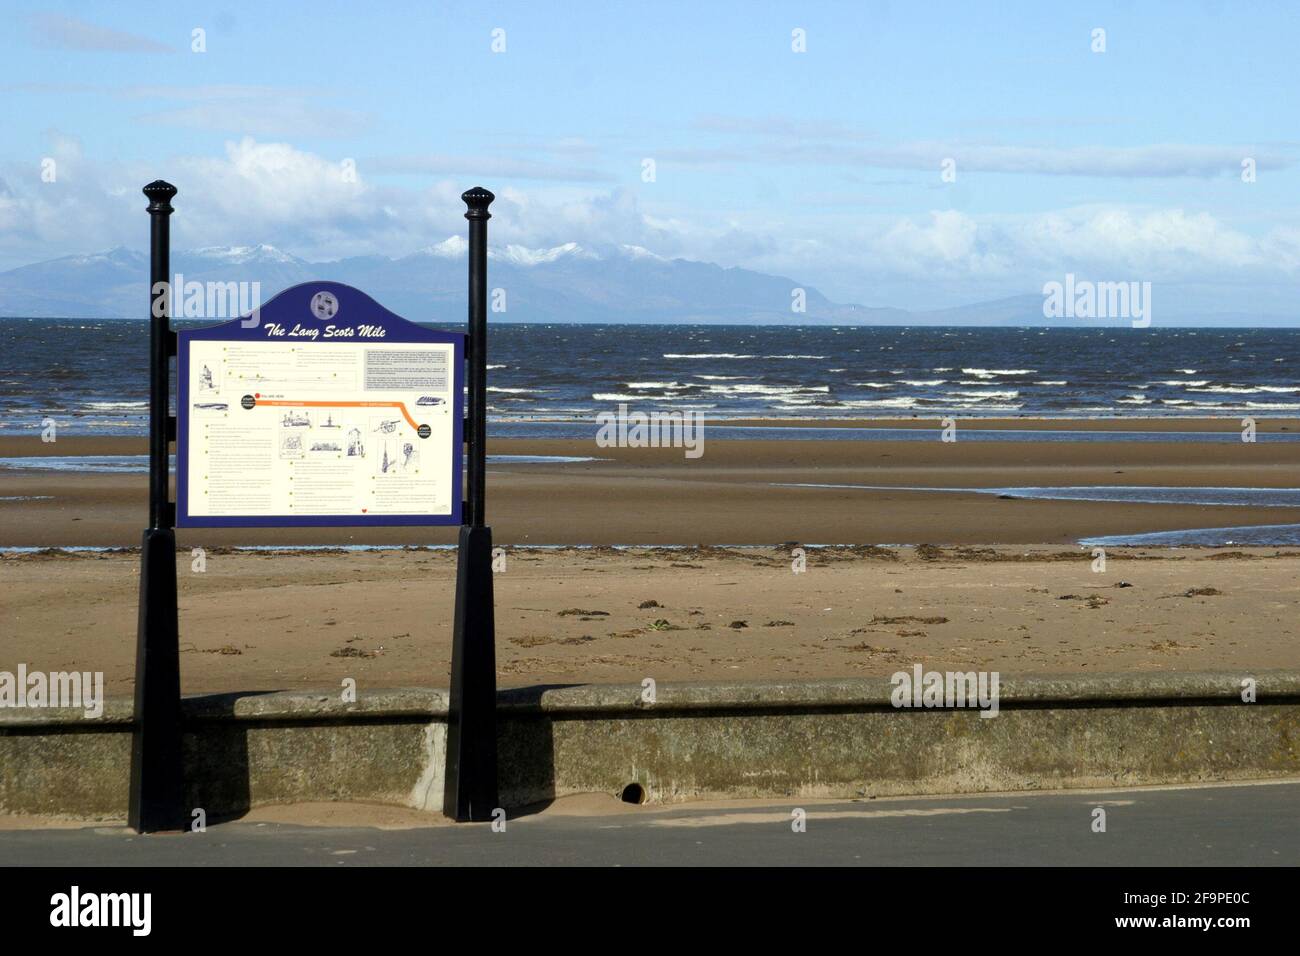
pixel 157 781
pixel 477 199
pixel 471 777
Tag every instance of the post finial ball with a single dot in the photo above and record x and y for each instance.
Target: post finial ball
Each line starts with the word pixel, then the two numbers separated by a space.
pixel 477 199
pixel 159 194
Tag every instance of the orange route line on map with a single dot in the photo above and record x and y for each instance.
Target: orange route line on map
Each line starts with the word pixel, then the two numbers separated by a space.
pixel 401 405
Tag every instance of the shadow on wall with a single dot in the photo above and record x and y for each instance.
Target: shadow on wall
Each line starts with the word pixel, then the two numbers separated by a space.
pixel 233 763
pixel 215 749
pixel 525 750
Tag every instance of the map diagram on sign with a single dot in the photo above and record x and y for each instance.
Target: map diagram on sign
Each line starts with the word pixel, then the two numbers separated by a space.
pixel 320 429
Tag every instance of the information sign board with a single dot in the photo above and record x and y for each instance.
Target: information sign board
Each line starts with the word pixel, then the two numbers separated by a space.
pixel 323 408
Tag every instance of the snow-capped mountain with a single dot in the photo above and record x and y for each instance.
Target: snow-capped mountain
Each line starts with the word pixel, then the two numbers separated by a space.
pixel 565 283
pixel 238 255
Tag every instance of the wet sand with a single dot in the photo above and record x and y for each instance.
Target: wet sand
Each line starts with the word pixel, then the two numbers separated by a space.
pixel 734 494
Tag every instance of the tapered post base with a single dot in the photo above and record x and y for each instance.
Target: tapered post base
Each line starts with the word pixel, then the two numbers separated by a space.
pixel 157 799
pixel 471 778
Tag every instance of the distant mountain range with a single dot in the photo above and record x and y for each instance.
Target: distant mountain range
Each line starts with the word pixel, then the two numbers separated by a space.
pixel 567 283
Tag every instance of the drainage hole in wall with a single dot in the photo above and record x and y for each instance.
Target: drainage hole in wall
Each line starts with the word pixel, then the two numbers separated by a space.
pixel 634 793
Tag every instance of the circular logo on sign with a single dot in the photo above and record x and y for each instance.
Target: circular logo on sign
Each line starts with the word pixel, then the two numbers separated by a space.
pixel 424 431
pixel 324 305
pixel 248 401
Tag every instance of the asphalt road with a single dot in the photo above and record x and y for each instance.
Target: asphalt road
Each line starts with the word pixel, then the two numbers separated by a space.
pixel 1250 825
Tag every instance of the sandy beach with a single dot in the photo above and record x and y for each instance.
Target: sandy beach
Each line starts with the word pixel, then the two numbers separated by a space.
pixel 706 589
pixel 296 620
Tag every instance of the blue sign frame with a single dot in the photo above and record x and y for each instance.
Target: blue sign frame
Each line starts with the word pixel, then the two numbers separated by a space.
pixel 290 309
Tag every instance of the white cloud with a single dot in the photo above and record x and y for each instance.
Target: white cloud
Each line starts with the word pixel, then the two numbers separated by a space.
pixel 1282 246
pixel 263 116
pixel 1159 161
pixel 59 32
pixel 486 166
pixel 950 241
pixel 1166 241
pixel 298 200
pixel 1165 160
pixel 303 203
pixel 276 182
pixel 793 141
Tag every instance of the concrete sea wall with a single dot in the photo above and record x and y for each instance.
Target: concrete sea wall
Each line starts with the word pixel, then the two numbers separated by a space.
pixel 708 740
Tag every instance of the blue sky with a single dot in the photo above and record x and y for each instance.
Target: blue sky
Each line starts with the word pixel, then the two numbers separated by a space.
pixel 822 165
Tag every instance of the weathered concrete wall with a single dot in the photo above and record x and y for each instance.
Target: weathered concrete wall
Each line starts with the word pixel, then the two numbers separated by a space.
pixel 814 738
pixel 843 738
pixel 240 752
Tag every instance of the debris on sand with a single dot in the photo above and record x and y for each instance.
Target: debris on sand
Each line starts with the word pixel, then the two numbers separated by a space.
pixel 1092 600
pixel 531 640
pixel 907 619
